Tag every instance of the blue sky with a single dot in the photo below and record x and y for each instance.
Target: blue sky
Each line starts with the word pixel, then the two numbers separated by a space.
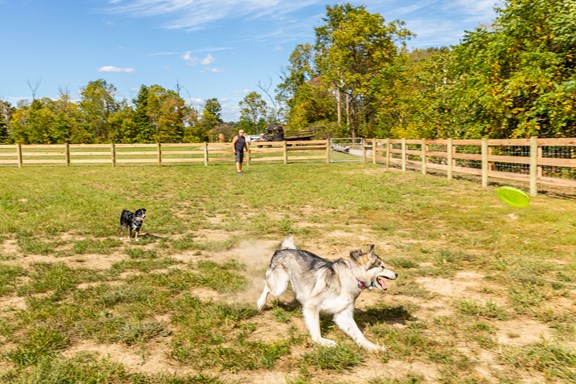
pixel 211 48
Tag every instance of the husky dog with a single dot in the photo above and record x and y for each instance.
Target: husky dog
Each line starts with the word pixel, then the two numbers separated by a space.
pixel 325 286
pixel 132 221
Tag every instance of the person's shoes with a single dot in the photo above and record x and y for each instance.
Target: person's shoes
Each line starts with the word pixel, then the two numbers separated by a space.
pixel 240 173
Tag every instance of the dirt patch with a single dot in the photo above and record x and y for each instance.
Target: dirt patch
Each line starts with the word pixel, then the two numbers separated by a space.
pixel 465 285
pixel 151 359
pixel 461 286
pixel 522 332
pixel 12 303
pixel 10 247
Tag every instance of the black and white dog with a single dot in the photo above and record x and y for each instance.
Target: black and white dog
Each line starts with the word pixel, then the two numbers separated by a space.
pixel 132 221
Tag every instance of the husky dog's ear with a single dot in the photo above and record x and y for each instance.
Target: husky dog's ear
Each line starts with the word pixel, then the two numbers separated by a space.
pixel 371 254
pixel 355 254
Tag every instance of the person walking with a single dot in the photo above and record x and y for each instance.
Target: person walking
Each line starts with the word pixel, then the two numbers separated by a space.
pixel 239 145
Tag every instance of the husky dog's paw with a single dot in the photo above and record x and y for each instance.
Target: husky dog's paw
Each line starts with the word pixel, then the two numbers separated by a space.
pixel 260 304
pixel 375 348
pixel 326 342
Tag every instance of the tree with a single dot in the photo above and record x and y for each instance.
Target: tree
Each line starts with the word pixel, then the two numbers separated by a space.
pixel 143 130
pixel 97 104
pixel 253 113
pixel 352 47
pixel 411 96
pixel 205 129
pixel 124 128
pixel 309 99
pixel 6 111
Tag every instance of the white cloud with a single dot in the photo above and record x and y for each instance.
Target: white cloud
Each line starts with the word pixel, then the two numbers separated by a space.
pixel 189 58
pixel 209 59
pixel 111 68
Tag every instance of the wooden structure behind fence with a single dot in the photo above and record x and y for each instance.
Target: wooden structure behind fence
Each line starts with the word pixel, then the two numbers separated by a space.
pixel 535 163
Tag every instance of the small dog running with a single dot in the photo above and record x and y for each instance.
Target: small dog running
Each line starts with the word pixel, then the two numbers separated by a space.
pixel 132 221
pixel 325 286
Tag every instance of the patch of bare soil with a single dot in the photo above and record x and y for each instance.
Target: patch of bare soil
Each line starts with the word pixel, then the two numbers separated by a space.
pixel 12 303
pixel 465 284
pixel 522 332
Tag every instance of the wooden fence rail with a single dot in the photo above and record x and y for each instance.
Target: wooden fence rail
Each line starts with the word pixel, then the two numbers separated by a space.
pixel 538 164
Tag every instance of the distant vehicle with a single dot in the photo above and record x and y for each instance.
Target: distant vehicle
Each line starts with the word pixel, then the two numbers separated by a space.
pixel 253 138
pixel 277 133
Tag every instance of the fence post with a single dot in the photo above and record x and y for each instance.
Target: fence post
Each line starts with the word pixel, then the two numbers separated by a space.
pixel 387 154
pixel 533 165
pixel 449 160
pixel 19 154
pixel 328 151
pixel 249 152
pixel 374 142
pixel 484 162
pixel 363 150
pixel 206 153
pixel 403 154
pixel 67 153
pixel 423 155
pixel 159 154
pixel 285 148
pixel 113 150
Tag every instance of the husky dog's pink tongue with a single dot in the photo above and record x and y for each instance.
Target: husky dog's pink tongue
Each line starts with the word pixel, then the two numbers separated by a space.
pixel 382 282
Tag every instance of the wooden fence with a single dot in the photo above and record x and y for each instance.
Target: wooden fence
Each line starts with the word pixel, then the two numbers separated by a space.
pixel 537 164
pixel 159 154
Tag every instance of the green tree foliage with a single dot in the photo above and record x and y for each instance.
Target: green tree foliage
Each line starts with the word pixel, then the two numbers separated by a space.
pixel 45 121
pixel 143 129
pixel 353 47
pixel 518 79
pixel 124 128
pixel 515 78
pixel 6 111
pixel 207 127
pixel 411 96
pixel 308 98
pixel 97 104
pixel 253 113
pixel 158 116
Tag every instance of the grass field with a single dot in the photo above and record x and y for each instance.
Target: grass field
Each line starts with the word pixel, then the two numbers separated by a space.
pixel 486 292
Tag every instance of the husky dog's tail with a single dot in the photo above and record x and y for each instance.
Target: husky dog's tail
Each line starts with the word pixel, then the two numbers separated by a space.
pixel 287 243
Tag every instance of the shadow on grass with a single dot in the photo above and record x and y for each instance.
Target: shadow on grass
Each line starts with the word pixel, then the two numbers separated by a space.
pixel 391 315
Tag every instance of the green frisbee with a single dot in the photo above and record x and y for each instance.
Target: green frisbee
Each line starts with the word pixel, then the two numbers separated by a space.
pixel 513 197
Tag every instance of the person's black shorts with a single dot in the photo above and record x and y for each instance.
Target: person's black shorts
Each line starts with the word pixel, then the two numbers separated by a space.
pixel 239 156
